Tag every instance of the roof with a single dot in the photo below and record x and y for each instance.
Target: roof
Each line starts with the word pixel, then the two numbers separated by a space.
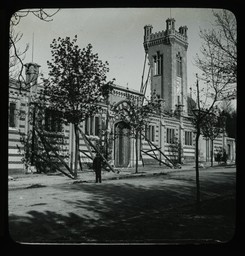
pixel 126 89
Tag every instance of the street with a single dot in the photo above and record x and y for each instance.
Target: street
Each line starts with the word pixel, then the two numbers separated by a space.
pixel 150 209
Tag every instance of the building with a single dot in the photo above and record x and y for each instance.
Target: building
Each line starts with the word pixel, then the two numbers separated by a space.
pixel 171 130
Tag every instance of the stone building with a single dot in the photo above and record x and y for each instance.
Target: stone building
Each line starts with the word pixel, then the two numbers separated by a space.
pixel 170 130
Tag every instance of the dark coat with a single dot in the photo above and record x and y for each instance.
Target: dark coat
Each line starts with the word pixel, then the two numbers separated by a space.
pixel 97 164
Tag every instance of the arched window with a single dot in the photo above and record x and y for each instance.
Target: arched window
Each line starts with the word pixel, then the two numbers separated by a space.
pixel 158 64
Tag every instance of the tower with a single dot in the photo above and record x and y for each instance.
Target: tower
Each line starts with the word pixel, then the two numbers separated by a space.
pixel 167 55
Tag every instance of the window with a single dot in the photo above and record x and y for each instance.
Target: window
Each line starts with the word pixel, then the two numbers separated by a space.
pixel 52 121
pixel 178 99
pixel 157 64
pixel 150 132
pixel 92 126
pixel 188 138
pixel 170 135
pixel 12 115
pixel 97 126
pixel 179 65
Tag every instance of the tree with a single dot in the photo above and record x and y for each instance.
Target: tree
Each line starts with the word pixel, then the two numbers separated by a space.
pixel 175 151
pixel 218 65
pixel 200 111
pixel 219 52
pixel 40 146
pixel 230 115
pixel 211 128
pixel 16 55
pixel 136 116
pixel 75 86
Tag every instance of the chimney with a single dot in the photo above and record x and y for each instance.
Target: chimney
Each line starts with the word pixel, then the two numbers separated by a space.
pixel 32 71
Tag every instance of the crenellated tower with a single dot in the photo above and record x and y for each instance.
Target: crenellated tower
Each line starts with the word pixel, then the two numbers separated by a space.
pixel 167 55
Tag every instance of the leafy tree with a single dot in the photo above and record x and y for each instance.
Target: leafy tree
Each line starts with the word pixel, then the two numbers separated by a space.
pixel 76 83
pixel 211 128
pixel 175 151
pixel 230 115
pixel 136 116
pixel 37 153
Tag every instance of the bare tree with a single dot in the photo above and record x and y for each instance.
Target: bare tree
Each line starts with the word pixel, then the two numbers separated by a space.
pixel 16 55
pixel 217 62
pixel 218 54
pixel 205 104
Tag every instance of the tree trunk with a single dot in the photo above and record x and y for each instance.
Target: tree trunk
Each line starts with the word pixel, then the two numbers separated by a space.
pixel 80 162
pixel 76 150
pixel 136 152
pixel 197 171
pixel 72 153
pixel 212 152
pixel 106 134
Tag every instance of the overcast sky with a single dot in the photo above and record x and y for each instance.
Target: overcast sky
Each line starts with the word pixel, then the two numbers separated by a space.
pixel 116 34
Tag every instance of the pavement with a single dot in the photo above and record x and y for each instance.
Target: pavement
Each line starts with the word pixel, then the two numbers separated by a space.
pixel 31 180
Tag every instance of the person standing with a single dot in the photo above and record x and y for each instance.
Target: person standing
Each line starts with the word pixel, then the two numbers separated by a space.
pixel 97 168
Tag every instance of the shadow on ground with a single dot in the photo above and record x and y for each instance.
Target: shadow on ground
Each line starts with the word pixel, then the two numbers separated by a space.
pixel 129 213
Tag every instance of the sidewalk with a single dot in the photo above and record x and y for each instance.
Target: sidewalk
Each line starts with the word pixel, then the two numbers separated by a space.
pixel 21 181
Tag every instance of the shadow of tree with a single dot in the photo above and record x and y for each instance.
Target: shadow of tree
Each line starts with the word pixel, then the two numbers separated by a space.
pixel 47 226
pixel 121 213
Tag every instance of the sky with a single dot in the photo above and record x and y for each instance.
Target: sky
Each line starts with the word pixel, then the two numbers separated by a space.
pixel 116 34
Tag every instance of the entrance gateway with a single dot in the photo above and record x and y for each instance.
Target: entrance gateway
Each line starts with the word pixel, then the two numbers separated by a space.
pixel 122 144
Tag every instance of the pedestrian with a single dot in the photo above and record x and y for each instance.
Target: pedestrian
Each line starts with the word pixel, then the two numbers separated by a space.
pixel 225 157
pixel 97 168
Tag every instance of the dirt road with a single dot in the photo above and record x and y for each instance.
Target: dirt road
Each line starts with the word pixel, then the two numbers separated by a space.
pixel 158 208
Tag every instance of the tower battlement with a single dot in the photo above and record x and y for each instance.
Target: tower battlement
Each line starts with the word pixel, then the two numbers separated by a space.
pixel 165 36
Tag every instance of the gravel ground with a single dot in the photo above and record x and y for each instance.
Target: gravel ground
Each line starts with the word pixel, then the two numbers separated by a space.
pixel 155 207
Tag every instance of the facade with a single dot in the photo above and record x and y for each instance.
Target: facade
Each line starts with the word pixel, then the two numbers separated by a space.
pixel 171 130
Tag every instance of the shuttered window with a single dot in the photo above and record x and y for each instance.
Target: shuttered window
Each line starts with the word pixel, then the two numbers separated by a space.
pixel 170 135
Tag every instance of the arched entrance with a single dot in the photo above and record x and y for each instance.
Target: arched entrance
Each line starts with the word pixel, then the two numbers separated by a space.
pixel 122 144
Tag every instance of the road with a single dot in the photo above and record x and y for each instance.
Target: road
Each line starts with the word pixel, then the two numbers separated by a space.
pixel 154 208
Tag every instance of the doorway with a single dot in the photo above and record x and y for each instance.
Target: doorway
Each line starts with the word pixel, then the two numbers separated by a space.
pixel 122 144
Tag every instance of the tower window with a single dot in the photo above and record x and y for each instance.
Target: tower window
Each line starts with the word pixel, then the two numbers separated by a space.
pixel 179 65
pixel 157 64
